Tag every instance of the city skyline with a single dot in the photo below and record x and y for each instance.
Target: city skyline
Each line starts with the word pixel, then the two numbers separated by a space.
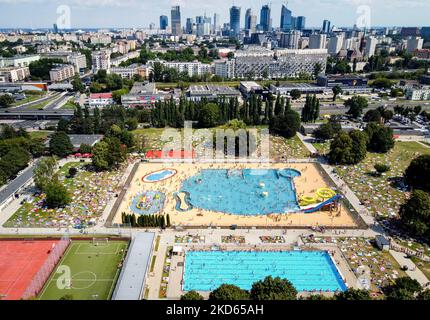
pixel 110 14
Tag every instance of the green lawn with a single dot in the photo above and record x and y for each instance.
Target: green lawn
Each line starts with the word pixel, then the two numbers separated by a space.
pixel 40 134
pixel 381 194
pixel 70 105
pixel 94 271
pixel 148 139
pixel 41 105
pixel 29 98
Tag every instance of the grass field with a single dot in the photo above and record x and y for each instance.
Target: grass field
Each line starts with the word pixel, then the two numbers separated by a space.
pixel 93 270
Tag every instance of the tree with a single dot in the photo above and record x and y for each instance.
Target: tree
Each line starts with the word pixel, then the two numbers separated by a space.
pixel 380 138
pixel 57 194
pixel 60 144
pixel 77 84
pixel 209 115
pixel 295 94
pixel 85 148
pixel 415 213
pixel 6 100
pixel 285 125
pixel 348 148
pixel 191 295
pixel 116 95
pixel 73 171
pixel 356 106
pixel 324 132
pixel 273 289
pixel 424 295
pixel 44 172
pixel 100 155
pixel 418 173
pixel 353 294
pixel 372 116
pixel 229 292
pixel 317 69
pixel 403 288
pixel 337 90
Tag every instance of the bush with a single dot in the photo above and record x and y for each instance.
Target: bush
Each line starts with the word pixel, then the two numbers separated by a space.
pixel 381 168
pixel 229 292
pixel 191 295
pixel 348 148
pixel 73 171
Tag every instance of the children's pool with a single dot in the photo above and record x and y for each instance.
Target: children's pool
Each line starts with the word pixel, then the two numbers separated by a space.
pixel 243 192
pixel 307 270
pixel 159 175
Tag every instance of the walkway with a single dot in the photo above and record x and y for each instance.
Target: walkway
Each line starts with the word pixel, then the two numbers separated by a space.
pixel 412 271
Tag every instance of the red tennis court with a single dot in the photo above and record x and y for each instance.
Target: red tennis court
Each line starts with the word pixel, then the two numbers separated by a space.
pixel 19 262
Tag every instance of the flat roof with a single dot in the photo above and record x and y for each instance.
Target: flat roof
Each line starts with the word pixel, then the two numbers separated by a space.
pixel 133 274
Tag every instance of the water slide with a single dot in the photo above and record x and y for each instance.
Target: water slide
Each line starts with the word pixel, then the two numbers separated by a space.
pixel 322 204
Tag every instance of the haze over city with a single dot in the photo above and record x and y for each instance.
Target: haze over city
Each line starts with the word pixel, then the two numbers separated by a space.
pixel 134 13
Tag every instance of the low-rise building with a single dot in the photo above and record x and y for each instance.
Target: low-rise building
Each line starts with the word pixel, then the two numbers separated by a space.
pixel 100 100
pixel 211 92
pixel 62 73
pixel 130 71
pixel 145 94
pixel 417 93
pixel 18 61
pixel 14 74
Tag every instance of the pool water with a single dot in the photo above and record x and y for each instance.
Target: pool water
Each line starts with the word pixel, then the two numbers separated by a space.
pixel 159 175
pixel 243 192
pixel 307 270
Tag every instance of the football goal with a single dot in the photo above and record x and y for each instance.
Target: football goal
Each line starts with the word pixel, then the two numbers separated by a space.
pixel 100 241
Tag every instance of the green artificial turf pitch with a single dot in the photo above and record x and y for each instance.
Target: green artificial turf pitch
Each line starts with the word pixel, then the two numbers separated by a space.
pixel 93 271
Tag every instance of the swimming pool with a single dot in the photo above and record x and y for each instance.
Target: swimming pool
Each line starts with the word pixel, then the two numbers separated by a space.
pixel 159 175
pixel 243 192
pixel 307 270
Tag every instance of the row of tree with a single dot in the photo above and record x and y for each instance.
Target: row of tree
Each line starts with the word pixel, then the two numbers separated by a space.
pixel 270 288
pixel 161 221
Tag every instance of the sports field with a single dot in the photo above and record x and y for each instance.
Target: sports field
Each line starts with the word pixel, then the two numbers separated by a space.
pixel 86 272
pixel 19 262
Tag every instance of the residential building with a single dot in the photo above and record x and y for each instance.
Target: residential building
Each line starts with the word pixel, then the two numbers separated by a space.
pixel 225 68
pixel 414 43
pixel 130 71
pixel 62 73
pixel 18 60
pixel 418 92
pixel 335 44
pixel 101 60
pixel 195 68
pixel 290 40
pixel 14 74
pixel 100 100
pixel 371 43
pixel 317 41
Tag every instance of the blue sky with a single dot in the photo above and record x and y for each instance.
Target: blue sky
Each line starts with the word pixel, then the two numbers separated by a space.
pixel 140 13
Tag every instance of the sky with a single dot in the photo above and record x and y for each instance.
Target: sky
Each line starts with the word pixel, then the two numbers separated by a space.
pixel 140 13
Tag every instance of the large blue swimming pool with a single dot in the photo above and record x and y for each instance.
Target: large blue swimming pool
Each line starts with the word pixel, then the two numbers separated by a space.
pixel 307 270
pixel 243 192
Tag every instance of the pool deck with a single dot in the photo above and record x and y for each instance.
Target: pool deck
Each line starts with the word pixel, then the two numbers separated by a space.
pixel 311 179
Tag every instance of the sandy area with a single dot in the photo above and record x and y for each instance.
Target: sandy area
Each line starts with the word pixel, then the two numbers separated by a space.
pixel 309 181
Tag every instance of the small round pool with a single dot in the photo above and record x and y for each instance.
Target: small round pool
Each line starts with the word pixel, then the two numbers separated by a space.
pixel 160 175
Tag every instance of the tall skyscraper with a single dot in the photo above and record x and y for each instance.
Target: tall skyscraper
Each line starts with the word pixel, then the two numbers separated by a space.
pixel 164 22
pixel 217 23
pixel 371 43
pixel 265 20
pixel 326 26
pixel 248 18
pixel 235 20
pixel 189 26
pixel 286 19
pixel 300 23
pixel 176 21
pixel 55 28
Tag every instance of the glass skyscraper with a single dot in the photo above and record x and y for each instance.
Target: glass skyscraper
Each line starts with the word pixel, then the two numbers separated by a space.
pixel 176 20
pixel 164 22
pixel 265 20
pixel 235 20
pixel 286 19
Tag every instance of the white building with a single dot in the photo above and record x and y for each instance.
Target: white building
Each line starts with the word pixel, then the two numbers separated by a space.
pixel 335 45
pixel 18 61
pixel 131 55
pixel 101 60
pixel 417 93
pixel 62 73
pixel 225 68
pixel 14 74
pixel 371 43
pixel 100 100
pixel 414 43
pixel 317 41
pixel 130 71
pixel 195 68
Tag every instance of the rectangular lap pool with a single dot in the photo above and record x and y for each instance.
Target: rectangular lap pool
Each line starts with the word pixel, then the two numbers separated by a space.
pixel 307 270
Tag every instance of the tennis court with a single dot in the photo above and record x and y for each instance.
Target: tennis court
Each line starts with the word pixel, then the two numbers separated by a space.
pixel 19 262
pixel 87 271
